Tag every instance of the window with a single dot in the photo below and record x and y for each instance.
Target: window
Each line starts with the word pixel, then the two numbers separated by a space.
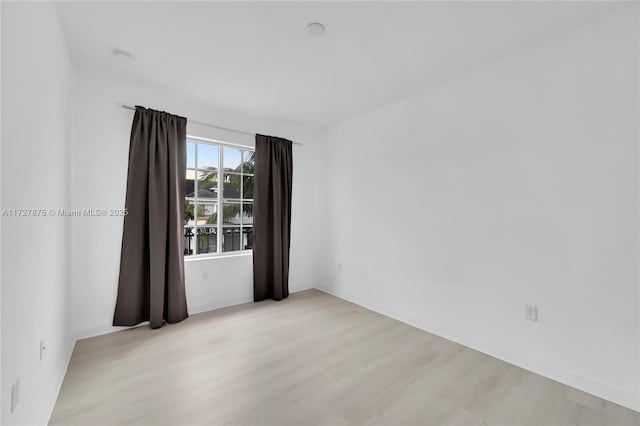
pixel 213 165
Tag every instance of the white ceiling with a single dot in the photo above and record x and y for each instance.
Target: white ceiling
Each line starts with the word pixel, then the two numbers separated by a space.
pixel 258 59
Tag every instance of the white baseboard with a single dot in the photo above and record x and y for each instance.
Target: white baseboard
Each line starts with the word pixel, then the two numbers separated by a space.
pixel 89 332
pixel 55 390
pixel 557 373
pixel 197 309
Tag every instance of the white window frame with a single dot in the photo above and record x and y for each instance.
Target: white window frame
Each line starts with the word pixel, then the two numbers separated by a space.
pixel 219 223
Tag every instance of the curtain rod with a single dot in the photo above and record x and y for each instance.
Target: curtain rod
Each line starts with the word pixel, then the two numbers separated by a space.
pixel 125 106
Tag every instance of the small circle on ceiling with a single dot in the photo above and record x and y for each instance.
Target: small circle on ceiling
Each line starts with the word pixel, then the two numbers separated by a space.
pixel 315 29
pixel 123 56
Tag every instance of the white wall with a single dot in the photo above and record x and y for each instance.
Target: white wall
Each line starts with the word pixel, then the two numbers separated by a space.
pixel 99 169
pixel 36 116
pixel 514 184
pixel 1 383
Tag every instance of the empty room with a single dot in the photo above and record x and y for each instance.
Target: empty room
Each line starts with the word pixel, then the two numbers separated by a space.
pixel 309 213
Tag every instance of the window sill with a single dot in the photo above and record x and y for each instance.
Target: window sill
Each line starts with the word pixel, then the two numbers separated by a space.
pixel 197 257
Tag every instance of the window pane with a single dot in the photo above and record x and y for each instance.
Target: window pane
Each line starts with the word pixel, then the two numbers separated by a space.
pixel 207 240
pixel 207 212
pixel 247 213
pixel 231 213
pixel 189 241
pixel 247 238
pixel 231 238
pixel 191 155
pixel 207 157
pixel 207 184
pixel 247 187
pixel 231 159
pixel 189 209
pixel 231 186
pixel 189 183
pixel 249 162
pixel 200 224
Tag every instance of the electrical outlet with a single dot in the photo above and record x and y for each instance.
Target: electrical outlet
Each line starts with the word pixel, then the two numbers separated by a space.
pixel 531 312
pixel 205 276
pixel 15 395
pixel 339 266
pixel 43 348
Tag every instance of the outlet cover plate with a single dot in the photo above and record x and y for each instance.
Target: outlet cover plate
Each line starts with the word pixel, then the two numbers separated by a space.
pixel 531 312
pixel 15 395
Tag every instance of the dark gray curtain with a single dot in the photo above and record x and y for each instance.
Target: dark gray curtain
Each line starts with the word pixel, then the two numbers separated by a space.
pixel 272 218
pixel 151 284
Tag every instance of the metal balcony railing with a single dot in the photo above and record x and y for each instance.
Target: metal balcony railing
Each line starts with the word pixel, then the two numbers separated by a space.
pixel 207 239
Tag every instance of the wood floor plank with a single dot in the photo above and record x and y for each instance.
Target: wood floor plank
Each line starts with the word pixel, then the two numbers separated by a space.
pixel 312 359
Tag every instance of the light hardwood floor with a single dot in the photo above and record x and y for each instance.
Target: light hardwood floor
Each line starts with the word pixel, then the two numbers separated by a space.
pixel 312 359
